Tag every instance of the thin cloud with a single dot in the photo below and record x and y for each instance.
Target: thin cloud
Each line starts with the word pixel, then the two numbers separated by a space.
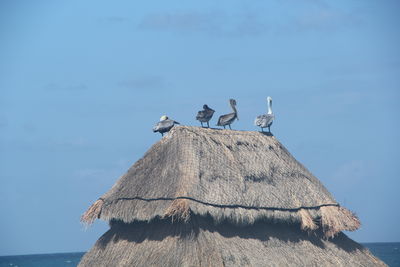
pixel 29 127
pixel 113 19
pixel 91 173
pixel 311 15
pixel 353 173
pixel 318 16
pixel 147 82
pixel 322 20
pixel 69 88
pixel 212 23
pixel 3 123
pixel 71 143
pixel 350 171
pixel 183 22
pixel 250 24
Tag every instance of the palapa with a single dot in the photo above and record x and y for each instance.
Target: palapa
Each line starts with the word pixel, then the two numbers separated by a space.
pixel 208 197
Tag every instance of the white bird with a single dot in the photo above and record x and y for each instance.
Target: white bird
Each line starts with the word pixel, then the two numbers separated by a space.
pixel 227 119
pixel 164 125
pixel 266 120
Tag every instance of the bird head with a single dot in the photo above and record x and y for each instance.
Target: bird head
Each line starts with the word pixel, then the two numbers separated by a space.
pixel 164 117
pixel 205 106
pixel 232 102
pixel 269 99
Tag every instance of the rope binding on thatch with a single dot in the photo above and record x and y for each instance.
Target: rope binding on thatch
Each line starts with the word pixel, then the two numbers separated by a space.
pixel 224 206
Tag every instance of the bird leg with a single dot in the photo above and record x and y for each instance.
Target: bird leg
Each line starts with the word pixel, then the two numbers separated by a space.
pixel 224 127
pixel 208 125
pixel 269 129
pixel 201 124
pixel 162 134
pixel 230 127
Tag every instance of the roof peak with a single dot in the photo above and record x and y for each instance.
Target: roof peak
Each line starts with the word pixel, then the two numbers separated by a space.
pixel 198 129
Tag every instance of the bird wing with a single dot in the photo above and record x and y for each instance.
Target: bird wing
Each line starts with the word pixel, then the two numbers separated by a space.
pixel 264 120
pixel 209 113
pixel 258 120
pixel 226 119
pixel 205 115
pixel 267 121
pixel 200 114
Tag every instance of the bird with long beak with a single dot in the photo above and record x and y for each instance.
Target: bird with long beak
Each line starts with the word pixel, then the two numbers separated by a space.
pixel 227 119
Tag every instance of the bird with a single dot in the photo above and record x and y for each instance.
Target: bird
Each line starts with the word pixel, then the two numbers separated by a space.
pixel 266 120
pixel 227 119
pixel 205 115
pixel 164 125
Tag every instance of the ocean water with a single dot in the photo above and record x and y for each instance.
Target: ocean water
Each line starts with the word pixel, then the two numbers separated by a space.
pixel 42 260
pixel 388 252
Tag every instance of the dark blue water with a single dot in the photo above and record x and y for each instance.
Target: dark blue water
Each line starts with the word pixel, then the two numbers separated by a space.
pixel 388 252
pixel 42 260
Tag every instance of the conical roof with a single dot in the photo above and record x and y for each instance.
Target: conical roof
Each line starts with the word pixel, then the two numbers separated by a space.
pixel 239 176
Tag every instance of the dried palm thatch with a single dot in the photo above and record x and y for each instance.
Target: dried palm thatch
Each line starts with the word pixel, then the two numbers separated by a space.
pixel 238 176
pixel 200 242
pixel 93 212
pixel 335 218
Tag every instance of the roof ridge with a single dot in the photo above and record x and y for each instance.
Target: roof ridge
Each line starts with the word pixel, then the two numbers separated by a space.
pixel 217 131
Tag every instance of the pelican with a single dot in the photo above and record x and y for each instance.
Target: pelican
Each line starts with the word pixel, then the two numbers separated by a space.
pixel 164 125
pixel 265 120
pixel 227 119
pixel 205 115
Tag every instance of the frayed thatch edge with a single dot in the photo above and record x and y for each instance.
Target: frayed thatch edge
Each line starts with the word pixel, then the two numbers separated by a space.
pixel 337 219
pixel 92 213
pixel 178 210
pixel 331 219
pixel 307 222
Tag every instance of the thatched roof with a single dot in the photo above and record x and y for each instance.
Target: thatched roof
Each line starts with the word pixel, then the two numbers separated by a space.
pixel 200 242
pixel 239 176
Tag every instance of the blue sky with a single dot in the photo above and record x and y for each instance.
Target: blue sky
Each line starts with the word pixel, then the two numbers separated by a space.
pixel 83 82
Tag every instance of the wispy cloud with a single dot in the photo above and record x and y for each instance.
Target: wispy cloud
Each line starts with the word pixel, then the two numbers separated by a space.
pixel 353 173
pixel 183 22
pixel 113 19
pixel 68 88
pixel 104 174
pixel 320 16
pixel 3 123
pixel 29 127
pixel 145 82
pixel 71 143
pixel 311 15
pixel 323 19
pixel 215 23
pixel 91 173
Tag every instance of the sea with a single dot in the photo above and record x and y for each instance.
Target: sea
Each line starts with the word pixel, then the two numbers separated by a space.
pixel 388 252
